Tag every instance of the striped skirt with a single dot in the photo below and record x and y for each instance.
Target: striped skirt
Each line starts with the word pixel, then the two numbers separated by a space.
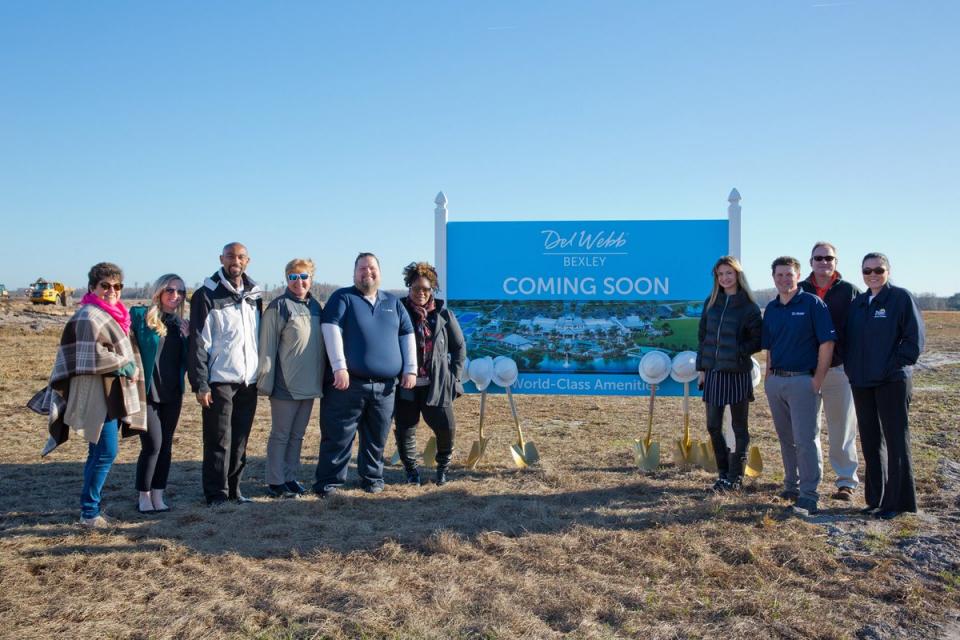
pixel 721 388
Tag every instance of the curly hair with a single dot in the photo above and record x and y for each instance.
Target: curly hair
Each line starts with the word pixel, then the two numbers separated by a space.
pixel 100 271
pixel 416 270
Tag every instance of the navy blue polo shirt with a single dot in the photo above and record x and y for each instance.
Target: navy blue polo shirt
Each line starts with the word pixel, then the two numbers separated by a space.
pixel 794 332
pixel 371 332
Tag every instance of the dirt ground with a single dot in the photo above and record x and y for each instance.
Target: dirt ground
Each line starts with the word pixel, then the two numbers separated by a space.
pixel 584 546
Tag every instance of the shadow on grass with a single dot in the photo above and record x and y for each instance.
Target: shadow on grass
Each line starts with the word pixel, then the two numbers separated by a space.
pixel 41 501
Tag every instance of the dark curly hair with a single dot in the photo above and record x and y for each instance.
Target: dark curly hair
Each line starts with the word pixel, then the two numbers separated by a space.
pixel 100 271
pixel 416 270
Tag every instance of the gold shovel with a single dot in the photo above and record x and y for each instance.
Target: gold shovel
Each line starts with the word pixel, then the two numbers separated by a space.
pixel 708 458
pixel 479 446
pixel 683 454
pixel 646 452
pixel 524 453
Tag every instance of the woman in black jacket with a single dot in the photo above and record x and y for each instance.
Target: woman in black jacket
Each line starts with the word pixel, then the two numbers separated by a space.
pixel 730 328
pixel 884 338
pixel 440 356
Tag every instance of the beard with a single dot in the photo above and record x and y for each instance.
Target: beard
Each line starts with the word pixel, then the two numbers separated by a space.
pixel 367 285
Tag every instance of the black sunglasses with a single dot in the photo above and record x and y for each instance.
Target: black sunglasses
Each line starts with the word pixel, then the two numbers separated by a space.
pixel 107 286
pixel 877 270
pixel 171 290
pixel 824 258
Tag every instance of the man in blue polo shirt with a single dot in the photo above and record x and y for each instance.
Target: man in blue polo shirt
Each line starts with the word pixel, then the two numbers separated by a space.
pixel 370 342
pixel 798 335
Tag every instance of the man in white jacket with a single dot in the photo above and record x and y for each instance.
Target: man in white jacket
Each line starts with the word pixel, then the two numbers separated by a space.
pixel 222 368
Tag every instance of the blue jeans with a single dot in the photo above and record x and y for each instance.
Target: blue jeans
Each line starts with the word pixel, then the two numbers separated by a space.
pixel 99 460
pixel 365 408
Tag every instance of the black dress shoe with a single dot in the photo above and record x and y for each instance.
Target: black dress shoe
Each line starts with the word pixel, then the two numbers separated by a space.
pixel 216 502
pixel 886 514
pixel 278 491
pixel 868 510
pixel 413 476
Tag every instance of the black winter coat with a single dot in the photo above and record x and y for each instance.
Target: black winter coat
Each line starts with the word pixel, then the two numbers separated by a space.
pixel 729 333
pixel 884 337
pixel 449 355
pixel 838 299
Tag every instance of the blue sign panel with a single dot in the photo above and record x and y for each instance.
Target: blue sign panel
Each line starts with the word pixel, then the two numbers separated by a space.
pixel 577 304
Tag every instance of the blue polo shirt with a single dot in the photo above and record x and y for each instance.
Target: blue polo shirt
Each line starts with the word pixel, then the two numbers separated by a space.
pixel 371 332
pixel 794 332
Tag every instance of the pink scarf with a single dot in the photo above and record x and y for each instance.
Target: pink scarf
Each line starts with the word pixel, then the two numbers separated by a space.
pixel 117 311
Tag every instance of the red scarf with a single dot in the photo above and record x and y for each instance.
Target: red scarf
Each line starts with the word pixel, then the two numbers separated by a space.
pixel 117 311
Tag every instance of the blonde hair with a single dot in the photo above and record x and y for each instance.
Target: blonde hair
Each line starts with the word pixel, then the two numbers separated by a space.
pixel 734 264
pixel 154 318
pixel 299 265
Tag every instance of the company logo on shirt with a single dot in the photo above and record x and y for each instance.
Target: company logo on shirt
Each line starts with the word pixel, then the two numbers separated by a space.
pixel 880 313
pixel 798 313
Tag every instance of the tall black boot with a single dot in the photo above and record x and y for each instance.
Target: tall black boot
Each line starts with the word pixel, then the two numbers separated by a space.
pixel 735 465
pixel 442 477
pixel 407 448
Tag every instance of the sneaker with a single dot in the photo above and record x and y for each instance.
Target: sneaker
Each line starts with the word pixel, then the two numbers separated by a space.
pixel 868 510
pixel 720 486
pixel 789 494
pixel 295 487
pixel 806 506
pixel 442 477
pixel 96 522
pixel 373 488
pixel 843 494
pixel 278 491
pixel 325 492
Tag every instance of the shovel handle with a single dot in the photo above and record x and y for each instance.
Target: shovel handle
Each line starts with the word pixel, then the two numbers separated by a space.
pixel 653 393
pixel 483 404
pixel 686 414
pixel 516 418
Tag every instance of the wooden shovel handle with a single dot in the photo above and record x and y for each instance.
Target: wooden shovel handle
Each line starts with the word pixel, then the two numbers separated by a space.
pixel 653 393
pixel 483 403
pixel 516 418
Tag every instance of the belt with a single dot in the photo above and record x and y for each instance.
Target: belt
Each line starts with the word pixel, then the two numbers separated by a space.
pixel 782 373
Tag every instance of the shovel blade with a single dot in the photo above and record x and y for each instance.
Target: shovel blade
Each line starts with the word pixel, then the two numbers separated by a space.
pixel 530 453
pixel 648 456
pixel 430 453
pixel 518 458
pixel 707 459
pixel 477 450
pixel 754 463
pixel 682 454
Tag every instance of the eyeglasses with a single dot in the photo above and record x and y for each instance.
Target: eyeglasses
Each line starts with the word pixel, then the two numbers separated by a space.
pixel 421 289
pixel 824 258
pixel 293 277
pixel 877 270
pixel 106 286
pixel 171 291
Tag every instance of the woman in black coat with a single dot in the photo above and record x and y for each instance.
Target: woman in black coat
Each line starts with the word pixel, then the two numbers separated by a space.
pixel 730 328
pixel 441 353
pixel 884 338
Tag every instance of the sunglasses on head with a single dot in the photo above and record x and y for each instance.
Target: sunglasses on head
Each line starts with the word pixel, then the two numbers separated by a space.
pixel 172 290
pixel 877 270
pixel 293 277
pixel 824 258
pixel 106 286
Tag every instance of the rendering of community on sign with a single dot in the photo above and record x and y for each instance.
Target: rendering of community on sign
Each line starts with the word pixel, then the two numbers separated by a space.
pixel 577 336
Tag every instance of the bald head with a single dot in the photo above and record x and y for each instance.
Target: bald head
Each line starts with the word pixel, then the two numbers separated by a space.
pixel 234 260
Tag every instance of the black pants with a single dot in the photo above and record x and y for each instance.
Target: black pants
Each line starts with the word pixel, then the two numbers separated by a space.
pixel 439 419
pixel 739 413
pixel 156 445
pixel 226 427
pixel 885 439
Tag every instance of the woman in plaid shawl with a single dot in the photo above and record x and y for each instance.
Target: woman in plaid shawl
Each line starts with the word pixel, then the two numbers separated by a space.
pixel 95 386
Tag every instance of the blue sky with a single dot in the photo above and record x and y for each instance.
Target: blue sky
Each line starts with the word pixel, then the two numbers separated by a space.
pixel 150 133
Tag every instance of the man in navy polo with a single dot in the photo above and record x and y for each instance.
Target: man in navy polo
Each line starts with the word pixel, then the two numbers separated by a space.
pixel 370 343
pixel 798 335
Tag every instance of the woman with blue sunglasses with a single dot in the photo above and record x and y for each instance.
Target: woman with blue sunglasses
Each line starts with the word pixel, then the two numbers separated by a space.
pixel 292 363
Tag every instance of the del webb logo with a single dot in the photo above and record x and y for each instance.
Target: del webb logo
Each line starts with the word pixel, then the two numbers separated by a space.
pixel 583 248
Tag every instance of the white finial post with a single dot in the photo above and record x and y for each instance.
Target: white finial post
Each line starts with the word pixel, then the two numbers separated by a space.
pixel 440 240
pixel 733 215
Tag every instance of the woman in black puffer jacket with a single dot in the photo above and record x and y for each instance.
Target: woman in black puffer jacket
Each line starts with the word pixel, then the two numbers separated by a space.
pixel 730 329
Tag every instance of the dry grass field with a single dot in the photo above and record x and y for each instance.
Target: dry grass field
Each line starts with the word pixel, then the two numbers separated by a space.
pixel 585 546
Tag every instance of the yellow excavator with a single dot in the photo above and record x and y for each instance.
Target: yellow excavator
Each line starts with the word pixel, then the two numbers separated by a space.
pixel 45 292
